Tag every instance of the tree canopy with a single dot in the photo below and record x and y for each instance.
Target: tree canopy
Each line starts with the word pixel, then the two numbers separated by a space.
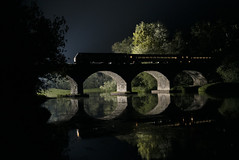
pixel 149 38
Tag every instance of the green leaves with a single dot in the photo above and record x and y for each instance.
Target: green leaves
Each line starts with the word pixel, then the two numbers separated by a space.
pixel 149 38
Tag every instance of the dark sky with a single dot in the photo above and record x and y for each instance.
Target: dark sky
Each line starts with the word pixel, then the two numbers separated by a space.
pixel 94 25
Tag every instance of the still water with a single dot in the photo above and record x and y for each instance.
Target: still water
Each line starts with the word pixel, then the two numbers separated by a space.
pixel 147 126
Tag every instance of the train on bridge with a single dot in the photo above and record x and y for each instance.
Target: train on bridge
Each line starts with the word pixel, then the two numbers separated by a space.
pixel 123 58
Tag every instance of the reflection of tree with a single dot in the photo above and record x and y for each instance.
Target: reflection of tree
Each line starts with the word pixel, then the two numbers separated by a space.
pixel 230 108
pixel 100 106
pixel 152 142
pixel 61 109
pixel 189 101
pixel 145 103
pixel 108 97
pixel 152 146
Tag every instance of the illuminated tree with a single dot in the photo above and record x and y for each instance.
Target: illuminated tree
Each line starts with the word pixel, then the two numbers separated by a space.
pixel 149 38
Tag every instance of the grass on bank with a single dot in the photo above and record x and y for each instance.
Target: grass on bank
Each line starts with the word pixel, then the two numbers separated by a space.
pixel 54 92
pixel 220 89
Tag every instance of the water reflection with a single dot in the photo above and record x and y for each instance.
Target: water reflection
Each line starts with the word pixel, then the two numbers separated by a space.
pixel 163 103
pixel 156 142
pixel 105 148
pixel 61 109
pixel 189 102
pixel 230 108
pixel 152 142
pixel 105 106
pixel 193 134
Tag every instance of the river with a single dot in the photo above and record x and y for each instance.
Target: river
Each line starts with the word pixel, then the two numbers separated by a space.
pixel 145 126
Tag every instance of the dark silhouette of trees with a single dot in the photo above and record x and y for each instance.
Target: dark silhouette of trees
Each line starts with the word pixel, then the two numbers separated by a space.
pixel 219 39
pixel 33 46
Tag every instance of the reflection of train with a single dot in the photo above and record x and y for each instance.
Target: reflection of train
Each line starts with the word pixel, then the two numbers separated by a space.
pixel 123 58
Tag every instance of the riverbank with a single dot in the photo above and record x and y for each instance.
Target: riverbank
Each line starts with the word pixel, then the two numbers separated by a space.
pixel 54 92
pixel 221 90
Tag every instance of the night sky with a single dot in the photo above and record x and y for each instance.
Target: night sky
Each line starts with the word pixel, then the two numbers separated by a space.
pixel 94 25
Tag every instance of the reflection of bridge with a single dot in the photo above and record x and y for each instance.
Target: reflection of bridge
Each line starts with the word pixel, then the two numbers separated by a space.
pixel 123 68
pixel 78 108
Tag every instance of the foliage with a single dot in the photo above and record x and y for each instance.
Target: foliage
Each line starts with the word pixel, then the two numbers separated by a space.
pixel 56 81
pixel 34 46
pixel 96 80
pixel 109 86
pixel 214 38
pixel 176 45
pixel 229 109
pixel 149 38
pixel 98 107
pixel 144 103
pixel 219 39
pixel 144 81
pixel 229 70
pixel 123 47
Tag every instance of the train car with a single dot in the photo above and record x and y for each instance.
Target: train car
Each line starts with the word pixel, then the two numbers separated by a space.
pixel 123 58
pixel 101 58
pixel 153 59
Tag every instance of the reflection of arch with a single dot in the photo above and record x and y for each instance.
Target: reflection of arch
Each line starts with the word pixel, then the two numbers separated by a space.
pixel 197 77
pixel 121 105
pixel 198 103
pixel 62 109
pixel 121 84
pixel 163 102
pixel 190 102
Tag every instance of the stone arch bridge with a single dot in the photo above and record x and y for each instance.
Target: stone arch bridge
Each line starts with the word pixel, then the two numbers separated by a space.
pixel 123 73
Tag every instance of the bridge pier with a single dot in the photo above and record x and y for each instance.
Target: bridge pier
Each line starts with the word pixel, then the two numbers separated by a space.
pixel 76 87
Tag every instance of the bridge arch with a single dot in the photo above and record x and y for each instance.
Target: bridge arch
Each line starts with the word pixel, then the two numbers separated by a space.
pixel 196 78
pixel 73 84
pixel 163 83
pixel 120 82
